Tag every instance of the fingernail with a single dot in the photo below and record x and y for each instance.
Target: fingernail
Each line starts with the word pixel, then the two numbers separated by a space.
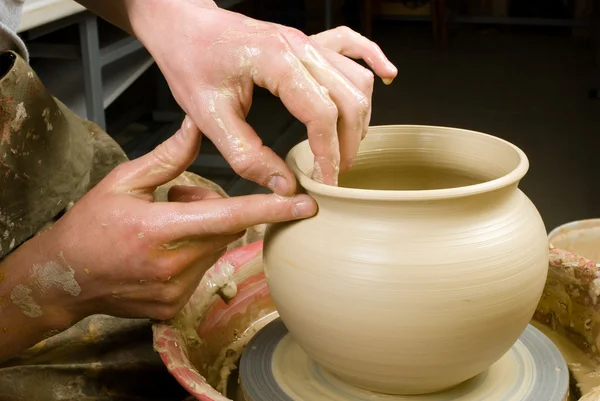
pixel 304 209
pixel 278 184
pixel 387 81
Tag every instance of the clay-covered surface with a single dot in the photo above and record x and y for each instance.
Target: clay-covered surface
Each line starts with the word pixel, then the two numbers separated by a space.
pixel 570 303
pixel 202 345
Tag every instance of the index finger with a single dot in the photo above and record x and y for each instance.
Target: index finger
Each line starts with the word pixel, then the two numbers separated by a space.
pixel 231 215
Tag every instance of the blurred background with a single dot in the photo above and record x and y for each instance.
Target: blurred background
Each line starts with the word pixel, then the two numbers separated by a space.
pixel 527 71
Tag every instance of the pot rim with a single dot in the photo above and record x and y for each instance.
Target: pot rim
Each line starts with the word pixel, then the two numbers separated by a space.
pixel 510 178
pixel 575 225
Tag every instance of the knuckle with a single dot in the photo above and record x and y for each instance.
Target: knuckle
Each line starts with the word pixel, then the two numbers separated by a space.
pixel 165 271
pixel 363 106
pixel 164 313
pixel 164 156
pixel 170 295
pixel 330 113
pixel 234 221
pixel 296 34
pixel 346 30
pixel 280 42
pixel 368 80
pixel 244 163
pixel 117 173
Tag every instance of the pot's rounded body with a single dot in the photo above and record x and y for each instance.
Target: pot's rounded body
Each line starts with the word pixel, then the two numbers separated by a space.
pixel 421 269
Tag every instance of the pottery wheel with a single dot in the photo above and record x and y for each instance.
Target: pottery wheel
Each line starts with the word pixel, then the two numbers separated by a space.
pixel 274 368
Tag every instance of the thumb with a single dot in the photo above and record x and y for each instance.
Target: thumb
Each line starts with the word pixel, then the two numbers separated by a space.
pixel 166 162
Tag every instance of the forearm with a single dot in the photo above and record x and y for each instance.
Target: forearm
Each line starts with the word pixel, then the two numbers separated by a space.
pixel 117 12
pixel 31 308
pixel 131 15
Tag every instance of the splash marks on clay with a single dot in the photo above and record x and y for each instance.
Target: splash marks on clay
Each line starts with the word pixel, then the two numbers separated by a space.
pixel 46 116
pixel 6 221
pixel 21 297
pixel 20 116
pixel 5 134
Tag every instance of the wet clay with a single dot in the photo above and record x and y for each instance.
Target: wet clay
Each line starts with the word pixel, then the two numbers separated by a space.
pixel 398 177
pixel 570 305
pixel 431 233
pixel 583 368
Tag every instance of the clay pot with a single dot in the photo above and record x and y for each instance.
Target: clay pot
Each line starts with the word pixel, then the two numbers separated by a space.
pixel 421 269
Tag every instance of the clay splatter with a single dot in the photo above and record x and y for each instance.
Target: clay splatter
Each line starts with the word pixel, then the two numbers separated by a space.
pixel 17 122
pixel 46 115
pixel 21 297
pixel 52 274
pixel 5 134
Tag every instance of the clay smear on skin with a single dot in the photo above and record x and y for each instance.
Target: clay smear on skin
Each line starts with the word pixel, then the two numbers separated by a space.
pixel 44 276
pixel 52 274
pixel 21 297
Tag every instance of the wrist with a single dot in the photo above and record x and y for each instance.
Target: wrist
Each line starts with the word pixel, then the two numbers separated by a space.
pixel 32 308
pixel 145 16
pixel 40 284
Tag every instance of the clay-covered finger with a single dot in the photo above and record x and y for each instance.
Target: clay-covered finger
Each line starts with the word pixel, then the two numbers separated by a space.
pixel 363 79
pixel 285 76
pixel 353 105
pixel 163 164
pixel 233 215
pixel 179 249
pixel 188 193
pixel 345 41
pixel 225 125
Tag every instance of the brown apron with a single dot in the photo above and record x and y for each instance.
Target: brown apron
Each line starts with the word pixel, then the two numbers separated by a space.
pixel 49 158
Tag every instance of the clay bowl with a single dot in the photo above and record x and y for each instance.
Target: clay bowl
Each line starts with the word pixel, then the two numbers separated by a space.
pixel 202 345
pixel 421 269
pixel 570 304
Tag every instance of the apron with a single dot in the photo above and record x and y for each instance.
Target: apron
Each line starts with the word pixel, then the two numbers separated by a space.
pixel 49 158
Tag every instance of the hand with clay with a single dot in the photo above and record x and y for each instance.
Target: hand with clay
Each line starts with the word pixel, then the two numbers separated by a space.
pixel 118 252
pixel 212 58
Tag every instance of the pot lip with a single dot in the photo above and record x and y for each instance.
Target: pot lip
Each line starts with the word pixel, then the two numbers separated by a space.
pixel 314 187
pixel 576 225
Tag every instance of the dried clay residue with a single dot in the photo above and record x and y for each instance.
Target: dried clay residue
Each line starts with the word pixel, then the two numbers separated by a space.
pixel 52 274
pixel 21 297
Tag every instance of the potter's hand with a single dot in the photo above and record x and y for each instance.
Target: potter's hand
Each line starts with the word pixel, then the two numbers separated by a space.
pixel 212 58
pixel 134 257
